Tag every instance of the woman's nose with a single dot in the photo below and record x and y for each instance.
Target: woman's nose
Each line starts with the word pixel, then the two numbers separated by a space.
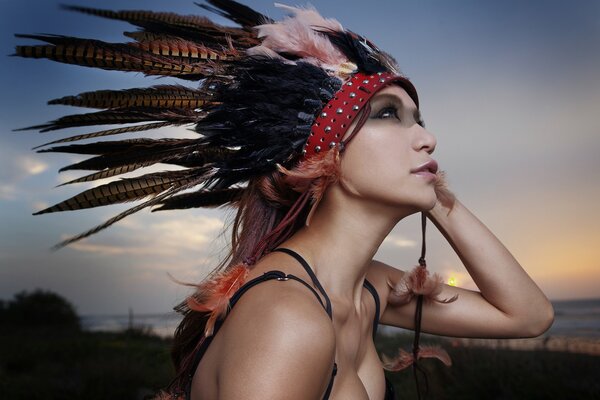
pixel 426 140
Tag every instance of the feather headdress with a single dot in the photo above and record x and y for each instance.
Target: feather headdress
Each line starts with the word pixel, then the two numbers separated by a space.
pixel 260 89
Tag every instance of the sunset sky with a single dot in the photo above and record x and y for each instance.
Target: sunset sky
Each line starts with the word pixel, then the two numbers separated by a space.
pixel 511 90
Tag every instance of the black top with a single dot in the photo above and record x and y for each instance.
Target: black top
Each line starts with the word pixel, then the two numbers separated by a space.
pixel 281 276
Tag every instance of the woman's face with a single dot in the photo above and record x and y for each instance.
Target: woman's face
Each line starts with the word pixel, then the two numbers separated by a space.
pixel 389 159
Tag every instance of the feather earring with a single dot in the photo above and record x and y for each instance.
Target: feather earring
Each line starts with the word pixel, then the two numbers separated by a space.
pixel 314 174
pixel 444 195
pixel 213 295
pixel 405 359
pixel 418 282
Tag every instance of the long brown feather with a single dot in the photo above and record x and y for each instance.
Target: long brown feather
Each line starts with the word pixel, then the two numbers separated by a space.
pixel 193 155
pixel 108 132
pixel 184 49
pixel 201 175
pixel 121 191
pixel 119 116
pixel 163 96
pixel 108 173
pixel 110 56
pixel 185 26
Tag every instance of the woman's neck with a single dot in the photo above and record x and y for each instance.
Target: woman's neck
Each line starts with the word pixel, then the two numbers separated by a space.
pixel 340 243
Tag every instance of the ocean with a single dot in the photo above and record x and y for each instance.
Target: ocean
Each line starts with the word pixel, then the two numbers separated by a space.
pixel 572 318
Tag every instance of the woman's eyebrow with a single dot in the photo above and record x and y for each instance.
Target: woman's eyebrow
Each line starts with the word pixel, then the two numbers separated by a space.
pixel 387 96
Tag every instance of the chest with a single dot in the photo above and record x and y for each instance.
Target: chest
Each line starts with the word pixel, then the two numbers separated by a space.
pixel 360 374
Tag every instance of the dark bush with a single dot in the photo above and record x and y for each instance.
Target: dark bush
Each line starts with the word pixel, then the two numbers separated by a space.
pixel 39 309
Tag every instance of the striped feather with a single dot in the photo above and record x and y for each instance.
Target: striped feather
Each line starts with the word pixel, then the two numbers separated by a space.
pixel 186 50
pixel 107 132
pixel 108 173
pixel 109 56
pixel 140 17
pixel 132 156
pixel 192 27
pixel 163 96
pixel 118 116
pixel 181 154
pixel 195 179
pixel 120 191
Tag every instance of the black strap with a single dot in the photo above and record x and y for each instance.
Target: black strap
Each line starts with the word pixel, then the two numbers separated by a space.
pixel 281 276
pixel 313 277
pixel 310 273
pixel 371 289
pixel 330 386
pixel 273 274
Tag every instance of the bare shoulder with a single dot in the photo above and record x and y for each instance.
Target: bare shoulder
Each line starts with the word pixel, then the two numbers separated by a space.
pixel 278 342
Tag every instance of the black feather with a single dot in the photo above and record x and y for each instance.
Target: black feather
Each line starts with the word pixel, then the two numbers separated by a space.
pixel 236 12
pixel 202 198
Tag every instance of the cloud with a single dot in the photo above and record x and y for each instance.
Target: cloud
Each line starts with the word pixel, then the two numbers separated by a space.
pixel 142 236
pixel 14 169
pixel 31 165
pixel 399 241
pixel 7 192
pixel 40 205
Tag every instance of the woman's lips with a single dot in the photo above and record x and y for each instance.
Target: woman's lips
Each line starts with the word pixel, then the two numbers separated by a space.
pixel 427 170
pixel 425 174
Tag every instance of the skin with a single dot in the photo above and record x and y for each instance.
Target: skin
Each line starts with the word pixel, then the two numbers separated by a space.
pixel 288 349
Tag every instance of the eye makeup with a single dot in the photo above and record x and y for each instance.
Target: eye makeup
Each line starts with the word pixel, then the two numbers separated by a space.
pixel 393 103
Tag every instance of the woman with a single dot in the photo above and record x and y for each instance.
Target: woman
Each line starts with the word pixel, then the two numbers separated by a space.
pixel 347 227
pixel 327 134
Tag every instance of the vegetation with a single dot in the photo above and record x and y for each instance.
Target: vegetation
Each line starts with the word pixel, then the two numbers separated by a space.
pixel 481 373
pixel 39 309
pixel 51 362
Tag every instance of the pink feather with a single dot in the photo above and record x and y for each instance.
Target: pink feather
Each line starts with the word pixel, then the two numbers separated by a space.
pixel 444 195
pixel 162 395
pixel 404 359
pixel 418 282
pixel 295 35
pixel 314 174
pixel 213 295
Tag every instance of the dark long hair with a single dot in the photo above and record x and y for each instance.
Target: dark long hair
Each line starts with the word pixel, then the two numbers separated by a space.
pixel 261 208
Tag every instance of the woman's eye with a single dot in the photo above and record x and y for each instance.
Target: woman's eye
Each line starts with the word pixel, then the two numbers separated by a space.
pixel 388 112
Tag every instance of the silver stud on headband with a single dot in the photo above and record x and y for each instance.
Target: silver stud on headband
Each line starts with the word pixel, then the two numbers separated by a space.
pixel 355 107
pixel 317 149
pixel 352 95
pixel 381 80
pixel 331 145
pixel 327 129
pixel 323 114
pixel 339 111
pixel 366 81
pixel 349 84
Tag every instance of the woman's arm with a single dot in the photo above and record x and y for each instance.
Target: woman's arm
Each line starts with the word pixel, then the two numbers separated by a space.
pixel 509 303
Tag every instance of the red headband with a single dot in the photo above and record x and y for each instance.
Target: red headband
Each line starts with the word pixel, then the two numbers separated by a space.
pixel 337 115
